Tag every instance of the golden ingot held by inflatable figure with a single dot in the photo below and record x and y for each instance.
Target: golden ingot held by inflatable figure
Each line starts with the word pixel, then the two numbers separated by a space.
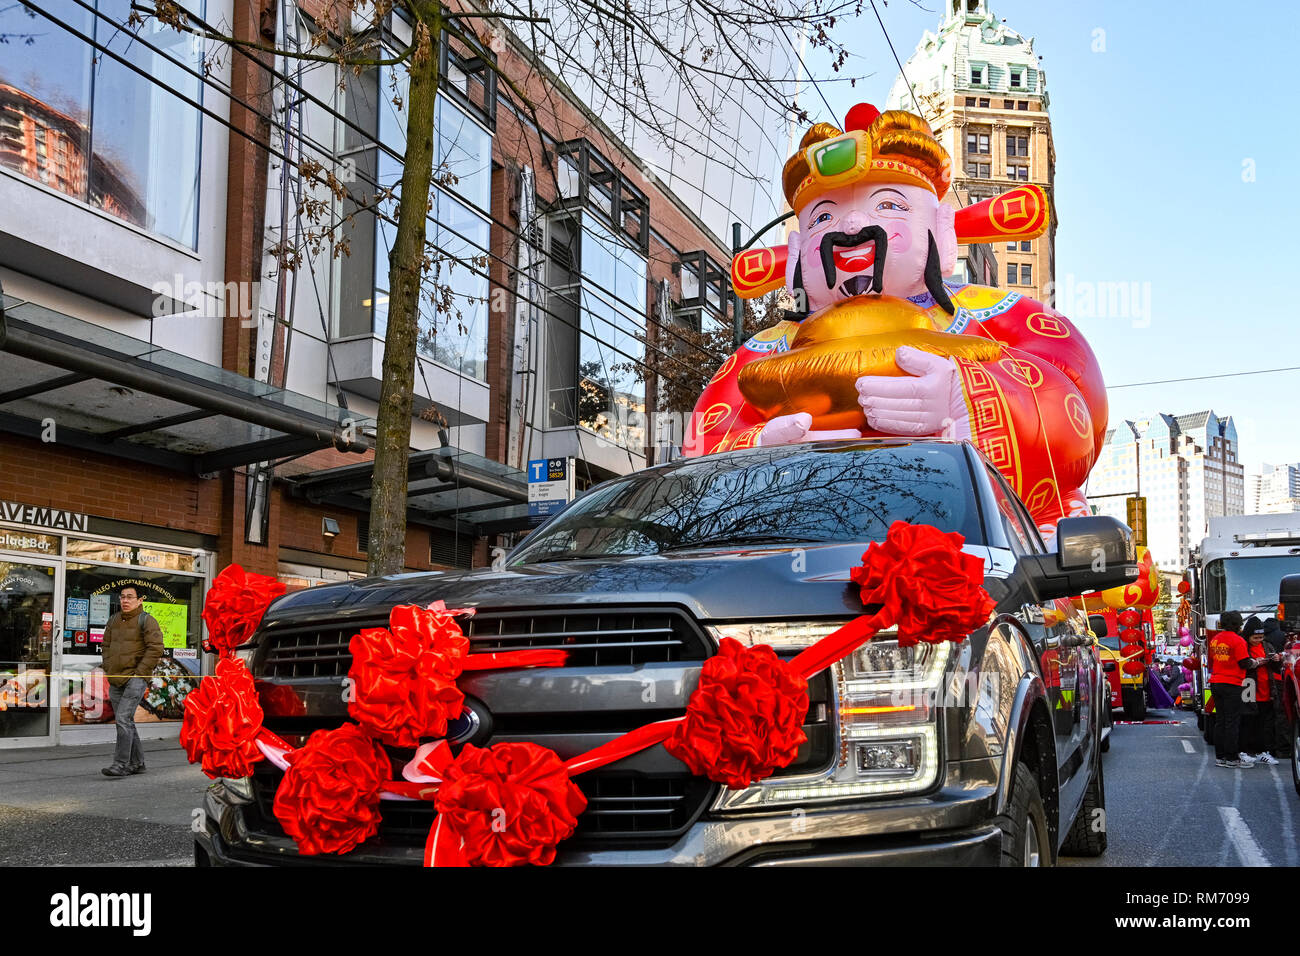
pixel 837 346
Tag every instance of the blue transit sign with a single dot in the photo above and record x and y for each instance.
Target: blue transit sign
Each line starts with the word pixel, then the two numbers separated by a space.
pixel 550 485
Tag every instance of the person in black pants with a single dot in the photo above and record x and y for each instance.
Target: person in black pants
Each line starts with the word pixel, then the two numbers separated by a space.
pixel 1257 738
pixel 1227 651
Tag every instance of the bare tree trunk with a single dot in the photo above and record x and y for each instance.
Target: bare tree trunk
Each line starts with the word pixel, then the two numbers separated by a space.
pixel 386 553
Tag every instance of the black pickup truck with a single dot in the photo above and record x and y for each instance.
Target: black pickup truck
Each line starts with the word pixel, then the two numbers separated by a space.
pixel 985 752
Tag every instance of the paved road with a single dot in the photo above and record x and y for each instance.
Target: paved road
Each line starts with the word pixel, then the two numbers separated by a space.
pixel 1167 804
pixel 56 808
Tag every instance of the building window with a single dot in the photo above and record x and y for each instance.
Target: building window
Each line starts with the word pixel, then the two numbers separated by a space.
pixel 984 102
pixel 1017 143
pixel 976 75
pixel 126 143
pixel 1026 245
pixel 978 170
pixel 593 375
pixel 978 142
pixel 1008 104
pixel 970 101
pixel 1026 274
pixel 1017 79
pixel 1020 173
pixel 1022 104
pixel 454 331
pixel 1011 273
pixel 1011 247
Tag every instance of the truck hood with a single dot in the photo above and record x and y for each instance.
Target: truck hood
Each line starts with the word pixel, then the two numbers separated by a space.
pixel 714 584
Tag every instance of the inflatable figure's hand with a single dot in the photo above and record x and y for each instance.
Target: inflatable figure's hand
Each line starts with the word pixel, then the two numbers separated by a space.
pixel 787 429
pixel 927 401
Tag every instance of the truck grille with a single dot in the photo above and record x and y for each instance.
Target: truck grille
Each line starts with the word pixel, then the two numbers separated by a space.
pixel 593 638
pixel 630 808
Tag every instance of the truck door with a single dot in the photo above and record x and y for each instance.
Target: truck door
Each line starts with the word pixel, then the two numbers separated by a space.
pixel 1058 634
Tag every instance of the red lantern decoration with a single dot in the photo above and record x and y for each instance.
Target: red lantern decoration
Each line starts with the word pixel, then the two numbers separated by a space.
pixel 1192 663
pixel 1131 635
pixel 1130 618
pixel 1134 667
pixel 1184 587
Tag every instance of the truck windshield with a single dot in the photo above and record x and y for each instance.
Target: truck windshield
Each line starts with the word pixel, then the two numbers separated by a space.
pixel 846 492
pixel 1246 584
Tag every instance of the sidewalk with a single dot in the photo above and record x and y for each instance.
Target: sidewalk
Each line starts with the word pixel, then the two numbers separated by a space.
pixel 57 808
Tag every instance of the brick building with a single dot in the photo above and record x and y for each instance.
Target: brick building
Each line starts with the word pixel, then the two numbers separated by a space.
pixel 171 401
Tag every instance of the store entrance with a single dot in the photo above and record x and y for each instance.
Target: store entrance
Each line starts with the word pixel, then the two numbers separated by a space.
pixel 31 595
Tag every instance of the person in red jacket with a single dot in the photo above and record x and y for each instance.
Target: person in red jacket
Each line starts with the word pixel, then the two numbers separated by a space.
pixel 1229 660
pixel 1257 738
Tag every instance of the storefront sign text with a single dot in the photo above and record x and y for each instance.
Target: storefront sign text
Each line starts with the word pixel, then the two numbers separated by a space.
pixel 20 513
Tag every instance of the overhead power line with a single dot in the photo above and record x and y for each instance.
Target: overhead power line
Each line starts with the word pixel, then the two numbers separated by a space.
pixel 1202 378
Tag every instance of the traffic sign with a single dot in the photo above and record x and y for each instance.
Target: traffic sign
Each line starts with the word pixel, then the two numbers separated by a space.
pixel 1137 519
pixel 550 485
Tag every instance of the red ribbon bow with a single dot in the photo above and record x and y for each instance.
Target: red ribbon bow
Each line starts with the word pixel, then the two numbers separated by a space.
pixel 222 721
pixel 235 605
pixel 505 805
pixel 745 718
pixel 328 801
pixel 404 676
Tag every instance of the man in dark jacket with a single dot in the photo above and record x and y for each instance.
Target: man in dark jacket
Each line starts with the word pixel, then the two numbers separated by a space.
pixel 133 645
pixel 1275 640
pixel 1273 636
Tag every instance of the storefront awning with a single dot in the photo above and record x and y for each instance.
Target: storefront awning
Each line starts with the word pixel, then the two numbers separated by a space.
pixel 107 392
pixel 445 486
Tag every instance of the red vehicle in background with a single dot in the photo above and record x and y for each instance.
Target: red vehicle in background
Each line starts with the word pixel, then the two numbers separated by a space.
pixel 1288 615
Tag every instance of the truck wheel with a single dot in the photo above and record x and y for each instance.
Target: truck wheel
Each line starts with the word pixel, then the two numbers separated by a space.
pixel 1209 729
pixel 1087 836
pixel 1025 837
pixel 1135 703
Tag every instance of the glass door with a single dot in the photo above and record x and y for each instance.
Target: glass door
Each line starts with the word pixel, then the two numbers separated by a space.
pixel 30 635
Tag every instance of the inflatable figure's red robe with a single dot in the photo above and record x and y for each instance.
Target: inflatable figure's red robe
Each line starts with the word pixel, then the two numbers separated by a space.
pixel 1037 412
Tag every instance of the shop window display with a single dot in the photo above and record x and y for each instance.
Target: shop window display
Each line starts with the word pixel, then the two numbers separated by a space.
pixel 174 600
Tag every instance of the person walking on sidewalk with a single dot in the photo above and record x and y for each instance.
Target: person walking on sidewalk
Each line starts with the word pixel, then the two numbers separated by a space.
pixel 133 645
pixel 1227 652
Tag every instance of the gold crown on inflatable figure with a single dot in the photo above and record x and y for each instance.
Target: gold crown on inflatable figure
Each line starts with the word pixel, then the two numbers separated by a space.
pixel 894 146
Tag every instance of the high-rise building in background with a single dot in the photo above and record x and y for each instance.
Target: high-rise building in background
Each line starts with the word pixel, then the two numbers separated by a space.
pixel 1276 489
pixel 978 84
pixel 1186 466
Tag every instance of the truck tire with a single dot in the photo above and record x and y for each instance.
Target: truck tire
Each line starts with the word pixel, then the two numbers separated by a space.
pixel 1135 703
pixel 1087 836
pixel 1025 837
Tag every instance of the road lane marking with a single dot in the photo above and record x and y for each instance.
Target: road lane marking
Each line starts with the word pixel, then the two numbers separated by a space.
pixel 1284 801
pixel 1242 841
pixel 1187 745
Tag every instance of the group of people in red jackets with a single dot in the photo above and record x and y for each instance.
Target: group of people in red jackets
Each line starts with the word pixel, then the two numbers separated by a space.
pixel 1242 682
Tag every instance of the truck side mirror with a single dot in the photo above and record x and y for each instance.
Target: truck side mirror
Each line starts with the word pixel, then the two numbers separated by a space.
pixel 1097 624
pixel 1092 554
pixel 1288 603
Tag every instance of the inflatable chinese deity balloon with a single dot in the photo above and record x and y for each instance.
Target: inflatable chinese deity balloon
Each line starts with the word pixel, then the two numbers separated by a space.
pixel 888 346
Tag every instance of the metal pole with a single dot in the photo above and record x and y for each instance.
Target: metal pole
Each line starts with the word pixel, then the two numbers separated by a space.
pixel 737 306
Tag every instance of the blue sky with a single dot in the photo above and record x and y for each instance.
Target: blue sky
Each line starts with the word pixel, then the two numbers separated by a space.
pixel 1151 140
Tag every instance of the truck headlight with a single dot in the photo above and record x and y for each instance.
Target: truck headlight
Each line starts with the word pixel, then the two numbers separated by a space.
pixel 885 715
